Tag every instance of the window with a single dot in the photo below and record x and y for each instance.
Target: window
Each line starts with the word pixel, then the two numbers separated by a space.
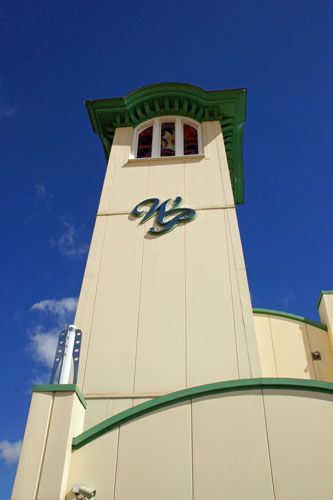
pixel 167 136
pixel 145 142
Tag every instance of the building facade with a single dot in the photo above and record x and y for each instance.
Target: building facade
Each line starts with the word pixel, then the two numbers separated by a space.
pixel 183 391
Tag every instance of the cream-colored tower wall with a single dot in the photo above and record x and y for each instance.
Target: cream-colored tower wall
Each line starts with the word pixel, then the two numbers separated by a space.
pixel 66 422
pixel 258 444
pixel 163 313
pixel 99 409
pixel 54 419
pixel 285 347
pixel 325 308
pixel 32 453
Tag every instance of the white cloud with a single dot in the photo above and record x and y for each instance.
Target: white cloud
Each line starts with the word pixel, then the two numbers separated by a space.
pixel 68 243
pixel 10 452
pixel 40 190
pixel 61 307
pixel 7 111
pixel 56 315
pixel 43 346
pixel 42 194
pixel 289 297
pixel 40 378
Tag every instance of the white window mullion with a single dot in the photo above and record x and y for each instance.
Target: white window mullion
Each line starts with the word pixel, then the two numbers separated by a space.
pixel 156 146
pixel 199 132
pixel 179 137
pixel 134 152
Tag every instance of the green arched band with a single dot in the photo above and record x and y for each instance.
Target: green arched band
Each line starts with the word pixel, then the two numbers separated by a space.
pixel 197 392
pixel 295 317
pixel 180 99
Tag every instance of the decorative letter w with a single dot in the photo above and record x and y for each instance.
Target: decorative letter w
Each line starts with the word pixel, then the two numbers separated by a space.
pixel 164 211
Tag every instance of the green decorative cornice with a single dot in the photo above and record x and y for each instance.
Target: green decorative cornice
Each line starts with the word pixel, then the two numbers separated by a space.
pixel 294 317
pixel 198 392
pixel 226 106
pixel 61 388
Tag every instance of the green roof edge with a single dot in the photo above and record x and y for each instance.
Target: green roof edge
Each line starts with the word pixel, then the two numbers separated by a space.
pixel 327 292
pixel 226 106
pixel 61 388
pixel 196 392
pixel 295 317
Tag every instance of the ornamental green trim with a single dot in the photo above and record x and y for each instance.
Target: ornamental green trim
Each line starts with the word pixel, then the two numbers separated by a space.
pixel 61 388
pixel 295 317
pixel 197 392
pixel 180 99
pixel 324 292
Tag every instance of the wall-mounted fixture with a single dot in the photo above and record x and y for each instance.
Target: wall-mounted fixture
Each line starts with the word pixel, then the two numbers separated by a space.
pixel 80 489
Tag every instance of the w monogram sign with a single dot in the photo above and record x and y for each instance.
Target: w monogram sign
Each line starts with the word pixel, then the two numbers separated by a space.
pixel 168 213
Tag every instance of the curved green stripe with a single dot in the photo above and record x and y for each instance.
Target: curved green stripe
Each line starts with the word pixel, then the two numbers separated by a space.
pixel 180 99
pixel 197 392
pixel 290 316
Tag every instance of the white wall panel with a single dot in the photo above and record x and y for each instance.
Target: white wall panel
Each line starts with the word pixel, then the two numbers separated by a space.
pixel 154 459
pixel 203 184
pixel 244 366
pixel 210 330
pixel 160 364
pixel 86 304
pixel 265 345
pixel 100 409
pixel 120 151
pixel 291 348
pixel 94 465
pixel 230 451
pixel 111 359
pixel 166 180
pixel 319 341
pixel 301 444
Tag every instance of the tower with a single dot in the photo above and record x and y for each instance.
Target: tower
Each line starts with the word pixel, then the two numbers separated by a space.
pixel 172 397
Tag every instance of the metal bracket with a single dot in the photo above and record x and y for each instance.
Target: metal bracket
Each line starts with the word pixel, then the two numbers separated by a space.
pixel 61 353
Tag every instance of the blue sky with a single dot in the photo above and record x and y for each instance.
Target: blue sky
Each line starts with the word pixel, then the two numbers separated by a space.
pixel 56 54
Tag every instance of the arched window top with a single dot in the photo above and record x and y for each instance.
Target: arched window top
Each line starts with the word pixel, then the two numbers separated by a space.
pixel 167 136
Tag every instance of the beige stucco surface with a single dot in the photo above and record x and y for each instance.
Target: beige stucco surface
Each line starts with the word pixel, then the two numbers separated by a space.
pixel 301 444
pixel 230 451
pixel 101 409
pixel 159 314
pixel 32 453
pixel 285 347
pixel 153 456
pixel 95 464
pixel 261 445
pixel 325 308
pixel 66 421
pixel 54 419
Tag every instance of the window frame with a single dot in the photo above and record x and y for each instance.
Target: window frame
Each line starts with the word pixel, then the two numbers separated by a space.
pixel 156 123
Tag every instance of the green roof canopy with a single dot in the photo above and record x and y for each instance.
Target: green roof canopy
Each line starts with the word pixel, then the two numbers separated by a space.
pixel 226 106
